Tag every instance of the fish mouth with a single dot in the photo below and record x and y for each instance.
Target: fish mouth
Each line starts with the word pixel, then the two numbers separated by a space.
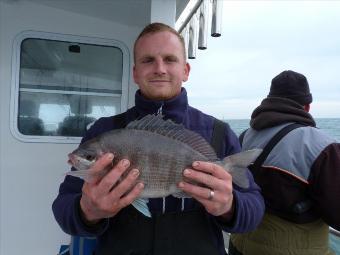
pixel 72 159
pixel 78 162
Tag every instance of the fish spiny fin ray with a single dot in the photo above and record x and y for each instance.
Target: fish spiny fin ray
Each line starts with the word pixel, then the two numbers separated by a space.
pixel 167 128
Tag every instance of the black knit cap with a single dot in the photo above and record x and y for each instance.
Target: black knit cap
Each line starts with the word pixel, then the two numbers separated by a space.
pixel 292 85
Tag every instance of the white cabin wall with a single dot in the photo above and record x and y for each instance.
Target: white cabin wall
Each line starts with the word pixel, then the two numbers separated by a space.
pixel 2 113
pixel 30 173
pixel 163 11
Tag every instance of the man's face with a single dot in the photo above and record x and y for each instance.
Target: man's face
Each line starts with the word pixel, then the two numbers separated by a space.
pixel 160 67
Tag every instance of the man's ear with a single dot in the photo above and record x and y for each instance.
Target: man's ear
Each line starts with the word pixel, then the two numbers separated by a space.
pixel 306 107
pixel 134 74
pixel 186 71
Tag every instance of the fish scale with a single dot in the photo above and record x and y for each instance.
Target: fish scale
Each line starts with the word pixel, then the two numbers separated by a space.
pixel 161 150
pixel 161 165
pixel 155 155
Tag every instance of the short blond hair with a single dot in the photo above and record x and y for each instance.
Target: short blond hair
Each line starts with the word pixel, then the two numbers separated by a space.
pixel 157 27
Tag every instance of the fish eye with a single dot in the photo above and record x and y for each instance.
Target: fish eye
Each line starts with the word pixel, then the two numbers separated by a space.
pixel 90 157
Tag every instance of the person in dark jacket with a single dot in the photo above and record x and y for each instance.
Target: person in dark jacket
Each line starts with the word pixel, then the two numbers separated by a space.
pixel 176 226
pixel 299 178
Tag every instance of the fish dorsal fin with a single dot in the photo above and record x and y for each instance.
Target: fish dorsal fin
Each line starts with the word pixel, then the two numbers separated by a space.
pixel 168 128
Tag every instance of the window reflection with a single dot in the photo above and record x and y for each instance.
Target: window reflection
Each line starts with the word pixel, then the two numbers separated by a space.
pixel 66 115
pixel 62 91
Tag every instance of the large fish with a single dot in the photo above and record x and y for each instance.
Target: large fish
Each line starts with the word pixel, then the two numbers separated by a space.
pixel 161 150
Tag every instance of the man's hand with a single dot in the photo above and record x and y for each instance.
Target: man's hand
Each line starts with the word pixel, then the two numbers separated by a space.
pixel 103 198
pixel 217 195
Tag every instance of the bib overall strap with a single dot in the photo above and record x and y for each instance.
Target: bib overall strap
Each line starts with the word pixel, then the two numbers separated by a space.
pixel 218 135
pixel 271 144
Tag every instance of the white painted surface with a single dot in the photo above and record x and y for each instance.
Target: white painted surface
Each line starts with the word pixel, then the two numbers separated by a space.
pixel 30 173
pixel 161 11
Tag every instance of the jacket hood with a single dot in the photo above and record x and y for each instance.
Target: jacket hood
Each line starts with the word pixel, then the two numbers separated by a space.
pixel 274 111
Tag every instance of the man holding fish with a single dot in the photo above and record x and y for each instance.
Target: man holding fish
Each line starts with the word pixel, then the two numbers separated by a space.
pixel 158 147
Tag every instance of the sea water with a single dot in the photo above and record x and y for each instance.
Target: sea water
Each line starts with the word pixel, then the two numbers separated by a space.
pixel 330 126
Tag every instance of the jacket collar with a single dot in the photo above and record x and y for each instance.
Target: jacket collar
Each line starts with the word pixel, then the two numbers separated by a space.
pixel 174 109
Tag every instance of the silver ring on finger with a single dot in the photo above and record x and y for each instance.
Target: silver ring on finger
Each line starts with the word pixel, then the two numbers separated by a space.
pixel 211 194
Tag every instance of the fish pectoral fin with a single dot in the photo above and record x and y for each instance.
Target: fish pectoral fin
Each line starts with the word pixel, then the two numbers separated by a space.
pixel 141 205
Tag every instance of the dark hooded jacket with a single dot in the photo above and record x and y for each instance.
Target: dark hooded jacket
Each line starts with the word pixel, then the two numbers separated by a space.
pixel 302 168
pixel 299 181
pixel 249 206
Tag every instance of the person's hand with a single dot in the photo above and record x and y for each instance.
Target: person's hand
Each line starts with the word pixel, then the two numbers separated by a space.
pixel 105 197
pixel 216 193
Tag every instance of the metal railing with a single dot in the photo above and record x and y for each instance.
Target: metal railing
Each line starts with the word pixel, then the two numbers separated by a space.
pixel 193 24
pixel 334 232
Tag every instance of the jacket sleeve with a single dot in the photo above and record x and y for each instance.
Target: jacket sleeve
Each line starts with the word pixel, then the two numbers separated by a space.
pixel 249 203
pixel 324 182
pixel 66 210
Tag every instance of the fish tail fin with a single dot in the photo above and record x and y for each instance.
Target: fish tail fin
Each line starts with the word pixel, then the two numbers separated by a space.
pixel 237 165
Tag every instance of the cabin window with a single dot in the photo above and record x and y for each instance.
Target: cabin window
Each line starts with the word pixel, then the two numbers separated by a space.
pixel 65 86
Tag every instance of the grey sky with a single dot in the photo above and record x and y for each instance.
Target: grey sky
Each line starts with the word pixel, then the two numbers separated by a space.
pixel 259 40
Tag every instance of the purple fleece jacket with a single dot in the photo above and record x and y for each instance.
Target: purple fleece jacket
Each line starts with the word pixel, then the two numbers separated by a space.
pixel 249 204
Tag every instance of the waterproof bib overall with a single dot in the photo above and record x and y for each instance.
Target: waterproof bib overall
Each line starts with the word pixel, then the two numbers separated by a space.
pixel 181 233
pixel 276 236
